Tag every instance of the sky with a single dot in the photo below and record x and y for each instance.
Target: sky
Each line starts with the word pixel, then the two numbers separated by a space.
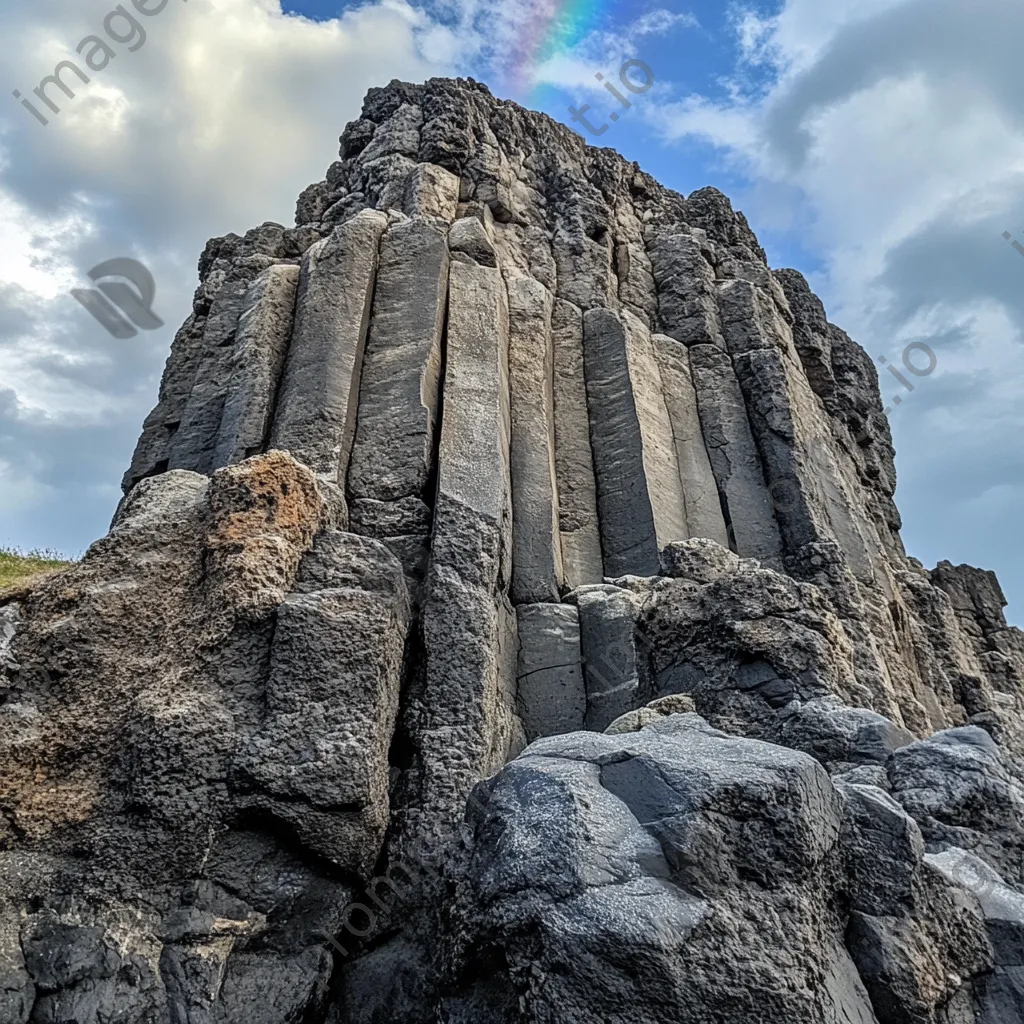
pixel 875 145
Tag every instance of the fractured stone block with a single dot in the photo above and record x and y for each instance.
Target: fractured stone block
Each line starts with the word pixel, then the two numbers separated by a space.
pixel 431 191
pixel 613 651
pixel 551 693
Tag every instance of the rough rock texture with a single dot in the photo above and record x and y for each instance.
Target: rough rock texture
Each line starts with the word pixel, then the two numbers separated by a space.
pixel 506 622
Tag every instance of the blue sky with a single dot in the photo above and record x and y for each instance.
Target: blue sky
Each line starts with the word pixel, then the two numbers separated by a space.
pixel 697 55
pixel 687 58
pixel 876 145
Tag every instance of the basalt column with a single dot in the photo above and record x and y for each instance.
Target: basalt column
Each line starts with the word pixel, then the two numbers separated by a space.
pixel 264 331
pixel 316 412
pixel 700 494
pixel 536 547
pixel 745 499
pixel 194 441
pixel 464 725
pixel 574 462
pixel 550 688
pixel 220 382
pixel 393 457
pixel 640 497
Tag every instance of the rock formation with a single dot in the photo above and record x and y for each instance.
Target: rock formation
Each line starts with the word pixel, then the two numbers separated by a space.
pixel 507 621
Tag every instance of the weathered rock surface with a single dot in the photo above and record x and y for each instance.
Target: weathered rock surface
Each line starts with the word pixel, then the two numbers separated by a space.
pixel 507 622
pixel 318 398
pixel 172 842
pixel 393 450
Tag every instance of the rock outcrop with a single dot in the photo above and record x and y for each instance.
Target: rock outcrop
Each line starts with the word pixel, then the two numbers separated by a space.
pixel 507 621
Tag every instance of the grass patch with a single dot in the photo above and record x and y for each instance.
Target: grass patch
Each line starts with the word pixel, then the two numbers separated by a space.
pixel 21 566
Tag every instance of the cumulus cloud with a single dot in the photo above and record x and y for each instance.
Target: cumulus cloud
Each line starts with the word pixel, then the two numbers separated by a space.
pixel 885 139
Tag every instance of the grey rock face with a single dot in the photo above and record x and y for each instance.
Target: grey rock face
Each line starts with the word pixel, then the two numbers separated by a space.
pixel 999 994
pixel 317 406
pixel 838 735
pixel 965 791
pixel 469 236
pixel 462 722
pixel 507 622
pixel 640 499
pixel 606 854
pixel 393 450
pixel 320 757
pixel 264 331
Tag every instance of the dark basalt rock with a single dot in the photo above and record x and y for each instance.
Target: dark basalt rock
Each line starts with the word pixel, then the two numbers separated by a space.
pixel 506 444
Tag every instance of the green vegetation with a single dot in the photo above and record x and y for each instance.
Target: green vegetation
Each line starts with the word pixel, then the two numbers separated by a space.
pixel 17 567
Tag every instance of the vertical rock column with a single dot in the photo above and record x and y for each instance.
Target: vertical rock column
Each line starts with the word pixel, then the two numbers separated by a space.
pixel 316 413
pixel 465 723
pixel 536 548
pixel 551 694
pixel 574 461
pixel 700 492
pixel 734 456
pixel 392 462
pixel 152 453
pixel 811 503
pixel 640 498
pixel 195 436
pixel 183 431
pixel 264 330
pixel 687 310
pixel 826 538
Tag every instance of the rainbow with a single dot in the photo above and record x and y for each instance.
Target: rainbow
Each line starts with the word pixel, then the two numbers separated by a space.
pixel 554 26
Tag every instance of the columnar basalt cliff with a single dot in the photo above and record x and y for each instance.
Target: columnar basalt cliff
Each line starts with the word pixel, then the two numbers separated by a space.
pixel 507 621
